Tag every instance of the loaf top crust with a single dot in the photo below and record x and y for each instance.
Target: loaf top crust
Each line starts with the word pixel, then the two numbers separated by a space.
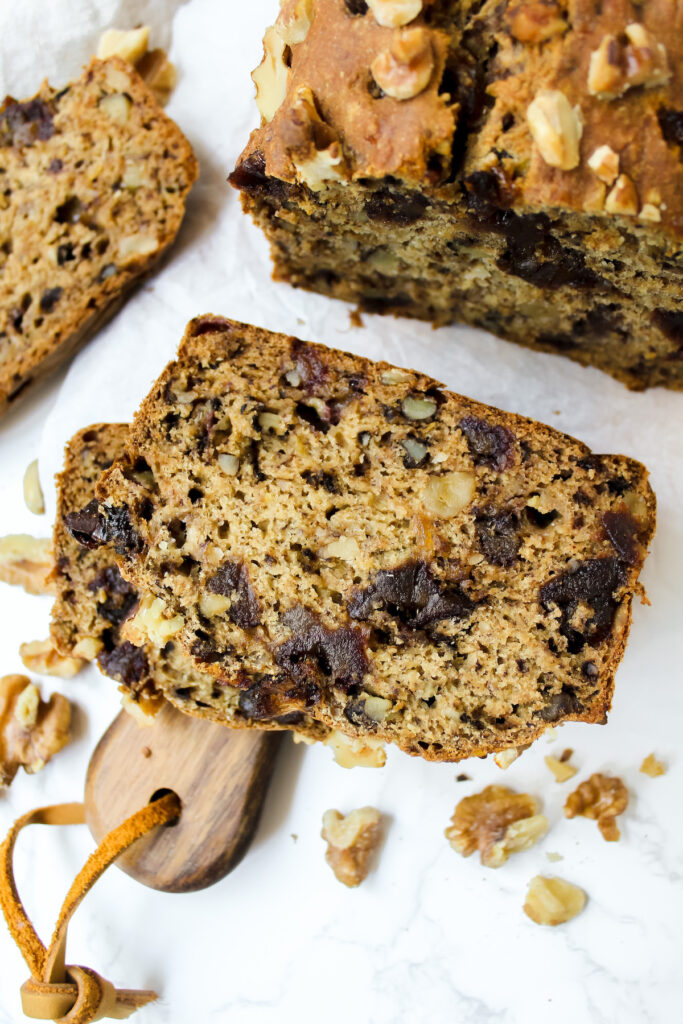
pixel 347 539
pixel 529 91
pixel 93 183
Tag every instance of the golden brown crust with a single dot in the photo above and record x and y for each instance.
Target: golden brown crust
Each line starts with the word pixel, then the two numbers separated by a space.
pixel 80 227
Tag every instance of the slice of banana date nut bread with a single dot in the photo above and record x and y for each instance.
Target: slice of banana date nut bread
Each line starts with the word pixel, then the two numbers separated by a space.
pixel 345 538
pixel 95 605
pixel 94 179
pixel 516 165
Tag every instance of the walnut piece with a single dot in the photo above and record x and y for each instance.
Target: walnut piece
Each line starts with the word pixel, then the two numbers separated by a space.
pixel 601 798
pixel 652 767
pixel 623 199
pixel 394 13
pixel 293 28
pixel 33 492
pixel 404 70
pixel 31 730
pixel 130 44
pixel 351 752
pixel 27 562
pixel 151 623
pixel 271 77
pixel 651 213
pixel 152 65
pixel 351 842
pixel 497 822
pixel 604 163
pixel 315 151
pixel 504 758
pixel 536 21
pixel 617 66
pixel 556 128
pixel 560 768
pixel 42 657
pixel 553 901
pixel 446 495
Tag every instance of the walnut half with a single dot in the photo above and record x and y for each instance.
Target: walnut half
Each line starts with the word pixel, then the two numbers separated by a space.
pixel 553 901
pixel 27 562
pixel 31 730
pixel 351 842
pixel 497 822
pixel 602 798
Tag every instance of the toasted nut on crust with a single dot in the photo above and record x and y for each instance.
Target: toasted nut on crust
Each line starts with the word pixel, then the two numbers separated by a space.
pixel 395 13
pixel 604 163
pixel 617 65
pixel 556 128
pixel 351 842
pixel 41 656
pixel 497 822
pixel 27 562
pixel 601 798
pixel 623 199
pixel 31 730
pixel 535 21
pixel 404 70
pixel 553 901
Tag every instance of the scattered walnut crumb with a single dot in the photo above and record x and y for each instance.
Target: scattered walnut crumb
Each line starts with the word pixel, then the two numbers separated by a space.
pixel 553 901
pixel 504 758
pixel 351 842
pixel 601 798
pixel 31 730
pixel 554 857
pixel 497 822
pixel 561 768
pixel 27 562
pixel 462 777
pixel 355 318
pixel 146 752
pixel 351 752
pixel 33 492
pixel 652 767
pixel 623 199
pixel 42 657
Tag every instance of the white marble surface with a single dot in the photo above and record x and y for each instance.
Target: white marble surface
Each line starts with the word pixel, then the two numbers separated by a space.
pixel 429 936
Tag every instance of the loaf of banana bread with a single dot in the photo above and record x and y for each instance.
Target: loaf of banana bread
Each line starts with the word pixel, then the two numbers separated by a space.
pixel 93 183
pixel 514 165
pixel 94 603
pixel 347 539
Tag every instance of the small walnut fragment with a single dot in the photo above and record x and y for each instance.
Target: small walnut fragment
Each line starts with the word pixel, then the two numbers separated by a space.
pixel 497 822
pixel 42 657
pixel 352 752
pixel 405 69
pixel 33 492
pixel 623 199
pixel 556 128
pixel 152 65
pixel 505 758
pixel 394 13
pixel 619 64
pixel 604 163
pixel 536 21
pixel 446 495
pixel 561 768
pixel 601 798
pixel 314 149
pixel 27 562
pixel 553 901
pixel 31 730
pixel 652 767
pixel 351 842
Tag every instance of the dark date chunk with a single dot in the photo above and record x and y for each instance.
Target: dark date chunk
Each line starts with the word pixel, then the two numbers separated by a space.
pixel 560 706
pixel 315 653
pixel 593 583
pixel 125 663
pixel 104 524
pixel 488 445
pixel 209 325
pixel 402 208
pixel 498 536
pixel 671 125
pixel 50 298
pixel 322 479
pixel 120 597
pixel 623 531
pixel 232 580
pixel 356 6
pixel 23 124
pixel 269 697
pixel 250 176
pixel 670 323
pixel 412 595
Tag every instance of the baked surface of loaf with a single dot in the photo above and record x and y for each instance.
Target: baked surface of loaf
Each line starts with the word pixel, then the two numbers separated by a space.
pixel 94 603
pixel 344 538
pixel 515 165
pixel 94 182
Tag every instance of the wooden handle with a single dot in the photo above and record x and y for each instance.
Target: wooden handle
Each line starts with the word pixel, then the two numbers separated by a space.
pixel 221 776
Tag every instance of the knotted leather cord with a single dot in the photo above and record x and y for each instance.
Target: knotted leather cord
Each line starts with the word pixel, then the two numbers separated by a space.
pixel 69 994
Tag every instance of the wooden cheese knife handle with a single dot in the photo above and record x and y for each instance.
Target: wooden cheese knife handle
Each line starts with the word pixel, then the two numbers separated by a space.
pixel 221 776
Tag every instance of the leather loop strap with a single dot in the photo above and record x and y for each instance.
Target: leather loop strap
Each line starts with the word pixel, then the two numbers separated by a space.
pixel 56 991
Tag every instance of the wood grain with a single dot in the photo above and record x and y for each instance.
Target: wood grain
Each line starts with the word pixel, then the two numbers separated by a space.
pixel 221 776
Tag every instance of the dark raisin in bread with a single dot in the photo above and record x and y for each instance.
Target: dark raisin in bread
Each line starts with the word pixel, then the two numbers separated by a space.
pixel 94 603
pixel 515 165
pixel 93 183
pixel 344 538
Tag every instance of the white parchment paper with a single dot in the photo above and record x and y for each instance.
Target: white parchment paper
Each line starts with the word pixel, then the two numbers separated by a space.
pixel 429 935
